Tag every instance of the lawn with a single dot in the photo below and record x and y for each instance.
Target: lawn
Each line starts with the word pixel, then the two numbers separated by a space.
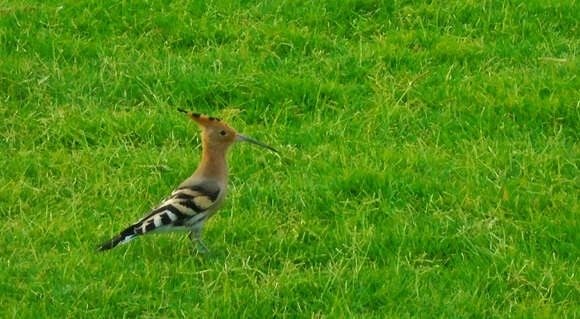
pixel 429 161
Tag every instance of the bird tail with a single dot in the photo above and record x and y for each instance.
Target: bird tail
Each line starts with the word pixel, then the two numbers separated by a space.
pixel 124 237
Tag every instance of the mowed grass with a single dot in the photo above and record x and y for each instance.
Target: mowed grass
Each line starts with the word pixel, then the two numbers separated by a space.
pixel 429 161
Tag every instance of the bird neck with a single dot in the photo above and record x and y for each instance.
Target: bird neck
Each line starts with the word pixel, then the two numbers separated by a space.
pixel 213 164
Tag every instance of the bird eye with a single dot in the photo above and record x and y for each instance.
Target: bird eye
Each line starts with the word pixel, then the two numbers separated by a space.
pixel 223 133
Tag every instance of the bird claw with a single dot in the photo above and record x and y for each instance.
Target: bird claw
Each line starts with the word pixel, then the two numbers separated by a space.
pixel 196 239
pixel 203 249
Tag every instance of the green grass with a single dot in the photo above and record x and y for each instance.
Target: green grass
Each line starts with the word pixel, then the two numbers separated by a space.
pixel 451 195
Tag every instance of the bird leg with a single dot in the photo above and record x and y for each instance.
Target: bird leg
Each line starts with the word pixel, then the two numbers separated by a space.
pixel 195 237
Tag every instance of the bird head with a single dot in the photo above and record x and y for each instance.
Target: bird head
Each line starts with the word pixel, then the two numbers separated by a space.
pixel 219 135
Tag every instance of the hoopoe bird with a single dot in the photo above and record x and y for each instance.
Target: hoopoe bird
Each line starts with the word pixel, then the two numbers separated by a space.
pixel 199 197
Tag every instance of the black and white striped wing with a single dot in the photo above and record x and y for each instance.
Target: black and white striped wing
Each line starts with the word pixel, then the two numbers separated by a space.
pixel 185 209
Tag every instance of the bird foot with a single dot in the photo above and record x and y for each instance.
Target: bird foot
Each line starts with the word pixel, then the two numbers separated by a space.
pixel 199 245
pixel 203 249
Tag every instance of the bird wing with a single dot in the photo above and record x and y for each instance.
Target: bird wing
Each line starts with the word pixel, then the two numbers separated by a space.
pixel 185 207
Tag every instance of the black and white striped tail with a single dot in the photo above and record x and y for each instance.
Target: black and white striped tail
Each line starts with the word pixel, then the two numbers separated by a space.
pixel 125 236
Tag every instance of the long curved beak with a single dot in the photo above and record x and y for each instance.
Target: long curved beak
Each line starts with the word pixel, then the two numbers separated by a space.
pixel 244 138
